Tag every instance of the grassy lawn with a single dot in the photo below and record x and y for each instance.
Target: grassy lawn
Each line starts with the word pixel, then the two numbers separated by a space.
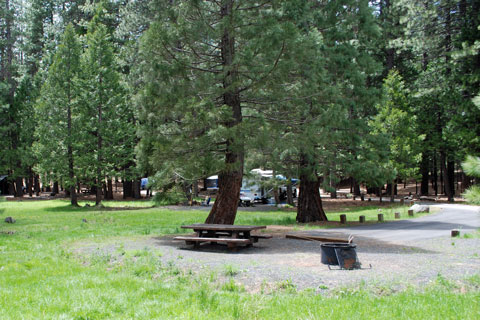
pixel 41 277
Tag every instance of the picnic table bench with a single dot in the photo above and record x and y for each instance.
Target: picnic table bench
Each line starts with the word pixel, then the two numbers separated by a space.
pixel 231 235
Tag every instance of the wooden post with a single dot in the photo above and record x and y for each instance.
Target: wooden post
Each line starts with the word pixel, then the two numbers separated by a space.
pixel 397 215
pixel 380 217
pixel 343 218
pixel 455 233
pixel 402 201
pixel 410 213
pixel 361 219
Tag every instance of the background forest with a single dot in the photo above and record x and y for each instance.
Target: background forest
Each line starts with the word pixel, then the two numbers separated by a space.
pixel 379 92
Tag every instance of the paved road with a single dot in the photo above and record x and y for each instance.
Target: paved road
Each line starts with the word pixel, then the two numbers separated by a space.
pixel 452 216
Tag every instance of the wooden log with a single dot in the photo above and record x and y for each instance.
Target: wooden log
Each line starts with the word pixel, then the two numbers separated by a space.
pixel 343 218
pixel 455 233
pixel 314 238
pixel 361 219
pixel 380 217
pixel 410 213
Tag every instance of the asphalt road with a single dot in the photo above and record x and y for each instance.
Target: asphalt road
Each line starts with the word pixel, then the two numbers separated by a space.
pixel 451 216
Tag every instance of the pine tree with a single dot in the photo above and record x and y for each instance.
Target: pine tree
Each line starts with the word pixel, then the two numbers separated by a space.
pixel 204 64
pixel 58 129
pixel 100 102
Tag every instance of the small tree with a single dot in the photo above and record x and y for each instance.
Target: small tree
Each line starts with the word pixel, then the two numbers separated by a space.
pixel 472 167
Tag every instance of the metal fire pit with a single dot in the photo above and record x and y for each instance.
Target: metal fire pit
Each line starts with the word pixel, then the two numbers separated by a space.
pixel 343 255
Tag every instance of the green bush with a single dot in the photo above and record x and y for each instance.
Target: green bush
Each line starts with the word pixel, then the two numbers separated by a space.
pixel 170 197
pixel 472 194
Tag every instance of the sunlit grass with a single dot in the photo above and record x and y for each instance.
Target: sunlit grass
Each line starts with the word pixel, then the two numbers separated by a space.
pixel 42 277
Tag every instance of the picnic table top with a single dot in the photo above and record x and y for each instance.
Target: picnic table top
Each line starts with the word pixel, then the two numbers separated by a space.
pixel 222 227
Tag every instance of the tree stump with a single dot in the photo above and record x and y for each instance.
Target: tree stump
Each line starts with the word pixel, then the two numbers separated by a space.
pixel 402 201
pixel 455 233
pixel 361 219
pixel 410 213
pixel 380 217
pixel 343 218
pixel 397 215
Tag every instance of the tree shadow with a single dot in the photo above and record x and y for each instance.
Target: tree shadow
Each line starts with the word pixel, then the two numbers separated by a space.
pixel 284 246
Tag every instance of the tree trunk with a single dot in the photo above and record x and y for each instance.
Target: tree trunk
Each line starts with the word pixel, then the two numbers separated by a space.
pixel 127 189
pixel 36 183
pixel 435 174
pixel 309 202
pixel 424 173
pixel 446 178
pixel 30 182
pixel 19 187
pixel 289 192
pixel 356 187
pixel 55 187
pixel 136 188
pixel 225 207
pixel 109 194
pixel 451 179
pixel 195 188
pixel 333 194
pixel 392 191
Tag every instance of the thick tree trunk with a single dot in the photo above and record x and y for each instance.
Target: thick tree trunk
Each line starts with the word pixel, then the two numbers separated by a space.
pixel 19 187
pixel 225 207
pixel 55 187
pixel 136 188
pixel 127 189
pixel 309 202
pixel 356 187
pixel 109 193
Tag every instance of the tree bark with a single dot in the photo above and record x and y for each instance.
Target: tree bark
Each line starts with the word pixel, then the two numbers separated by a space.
pixel 136 188
pixel 127 188
pixel 435 174
pixel 225 207
pixel 425 176
pixel 446 179
pixel 309 202
pixel 356 187
pixel 37 185
pixel 109 193
pixel 289 192
pixel 55 187
pixel 19 187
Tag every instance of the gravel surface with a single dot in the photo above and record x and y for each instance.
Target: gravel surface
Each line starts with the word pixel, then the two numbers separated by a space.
pixel 271 263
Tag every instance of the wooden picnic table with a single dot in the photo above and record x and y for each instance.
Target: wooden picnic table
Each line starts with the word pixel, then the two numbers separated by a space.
pixel 232 235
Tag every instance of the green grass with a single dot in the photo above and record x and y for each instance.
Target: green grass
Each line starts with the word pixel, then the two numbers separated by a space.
pixel 42 277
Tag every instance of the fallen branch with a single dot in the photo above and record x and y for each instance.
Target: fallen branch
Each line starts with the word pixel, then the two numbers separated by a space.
pixel 315 238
